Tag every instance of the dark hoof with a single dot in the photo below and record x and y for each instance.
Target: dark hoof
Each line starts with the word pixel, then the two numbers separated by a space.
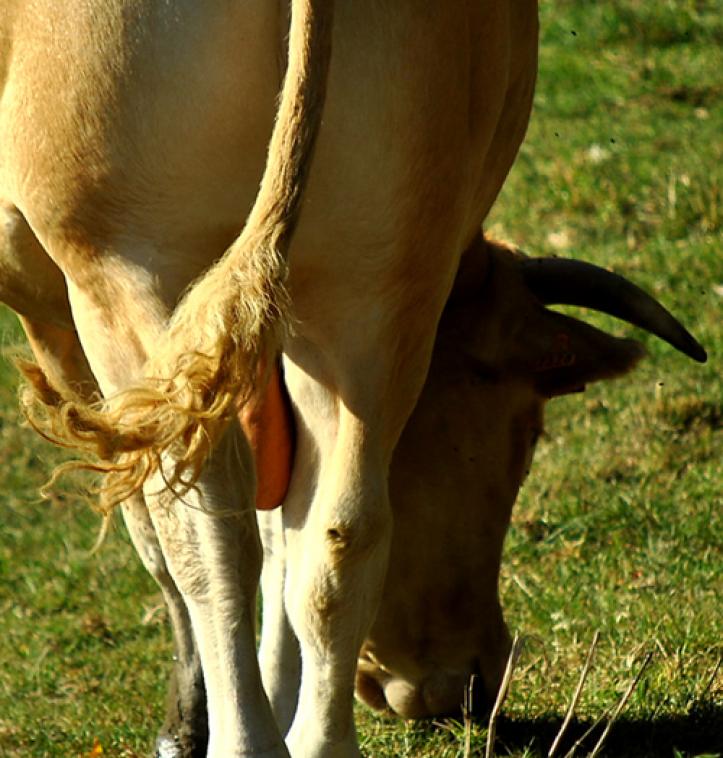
pixel 176 747
pixel 168 747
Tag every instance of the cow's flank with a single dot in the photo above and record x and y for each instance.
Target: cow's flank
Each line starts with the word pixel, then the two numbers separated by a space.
pixel 232 317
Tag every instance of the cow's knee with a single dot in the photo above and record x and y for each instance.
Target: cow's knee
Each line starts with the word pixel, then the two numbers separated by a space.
pixel 352 537
pixel 349 571
pixel 334 582
pixel 343 552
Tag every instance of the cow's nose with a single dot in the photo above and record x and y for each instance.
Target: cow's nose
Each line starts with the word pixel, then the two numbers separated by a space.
pixel 440 693
pixel 435 693
pixel 370 691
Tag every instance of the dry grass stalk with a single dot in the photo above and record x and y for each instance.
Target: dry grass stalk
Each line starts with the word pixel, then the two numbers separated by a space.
pixel 515 651
pixel 576 696
pixel 467 711
pixel 571 752
pixel 620 706
pixel 709 687
pixel 612 711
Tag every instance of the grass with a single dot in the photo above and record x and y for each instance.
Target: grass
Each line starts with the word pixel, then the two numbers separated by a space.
pixel 619 526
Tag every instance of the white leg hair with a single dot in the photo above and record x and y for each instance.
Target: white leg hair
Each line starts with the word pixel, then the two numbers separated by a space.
pixel 279 655
pixel 336 567
pixel 211 545
pixel 185 730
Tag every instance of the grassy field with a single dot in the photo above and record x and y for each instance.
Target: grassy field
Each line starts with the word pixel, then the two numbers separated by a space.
pixel 619 526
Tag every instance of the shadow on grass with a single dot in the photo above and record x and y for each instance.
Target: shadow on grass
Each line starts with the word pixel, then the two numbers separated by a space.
pixel 696 734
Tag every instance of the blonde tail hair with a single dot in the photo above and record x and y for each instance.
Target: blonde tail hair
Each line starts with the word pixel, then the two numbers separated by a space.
pixel 229 323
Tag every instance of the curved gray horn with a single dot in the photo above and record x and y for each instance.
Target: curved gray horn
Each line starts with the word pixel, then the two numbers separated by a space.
pixel 559 281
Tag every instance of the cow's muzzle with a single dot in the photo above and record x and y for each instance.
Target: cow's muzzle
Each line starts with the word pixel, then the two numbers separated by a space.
pixel 438 694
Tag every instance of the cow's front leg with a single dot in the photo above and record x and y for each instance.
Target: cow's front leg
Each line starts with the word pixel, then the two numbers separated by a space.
pixel 336 566
pixel 185 729
pixel 213 554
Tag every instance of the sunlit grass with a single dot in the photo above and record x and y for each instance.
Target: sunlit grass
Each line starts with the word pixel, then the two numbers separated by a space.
pixel 619 526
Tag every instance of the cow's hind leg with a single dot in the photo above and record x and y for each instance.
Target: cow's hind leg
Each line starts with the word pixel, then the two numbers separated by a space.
pixel 337 547
pixel 212 550
pixel 337 563
pixel 207 535
pixel 185 729
pixel 32 284
pixel 184 733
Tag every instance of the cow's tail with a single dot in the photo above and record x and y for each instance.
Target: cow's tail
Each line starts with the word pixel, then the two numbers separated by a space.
pixel 230 322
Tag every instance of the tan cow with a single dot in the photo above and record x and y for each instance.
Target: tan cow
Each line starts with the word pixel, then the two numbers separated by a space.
pixel 499 356
pixel 134 137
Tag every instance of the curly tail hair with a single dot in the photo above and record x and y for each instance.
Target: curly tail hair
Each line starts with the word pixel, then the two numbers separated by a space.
pixel 229 323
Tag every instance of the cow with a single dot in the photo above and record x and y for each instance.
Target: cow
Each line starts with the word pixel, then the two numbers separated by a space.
pixel 465 451
pixel 499 356
pixel 165 233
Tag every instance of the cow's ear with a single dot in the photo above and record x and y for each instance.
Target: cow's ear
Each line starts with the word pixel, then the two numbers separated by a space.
pixel 563 354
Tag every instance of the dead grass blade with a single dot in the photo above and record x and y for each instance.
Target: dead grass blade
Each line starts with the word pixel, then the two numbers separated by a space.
pixel 467 711
pixel 516 650
pixel 576 696
pixel 709 686
pixel 613 711
pixel 571 752
pixel 620 706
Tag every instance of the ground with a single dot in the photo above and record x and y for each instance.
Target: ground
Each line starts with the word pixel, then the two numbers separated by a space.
pixel 619 526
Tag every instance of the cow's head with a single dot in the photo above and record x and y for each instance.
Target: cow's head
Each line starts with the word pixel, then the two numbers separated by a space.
pixel 500 355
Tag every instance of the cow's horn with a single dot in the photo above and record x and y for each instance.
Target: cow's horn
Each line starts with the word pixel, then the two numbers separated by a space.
pixel 560 281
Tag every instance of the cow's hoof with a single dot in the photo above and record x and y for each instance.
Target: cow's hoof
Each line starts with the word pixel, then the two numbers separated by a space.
pixel 168 747
pixel 174 747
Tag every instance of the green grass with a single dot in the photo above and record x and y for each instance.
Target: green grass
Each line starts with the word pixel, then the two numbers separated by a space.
pixel 619 526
